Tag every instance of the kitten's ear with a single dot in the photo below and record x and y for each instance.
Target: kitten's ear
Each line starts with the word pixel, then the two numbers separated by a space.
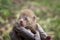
pixel 34 17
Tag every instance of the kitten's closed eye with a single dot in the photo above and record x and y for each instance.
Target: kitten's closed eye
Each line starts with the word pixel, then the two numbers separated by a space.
pixel 25 18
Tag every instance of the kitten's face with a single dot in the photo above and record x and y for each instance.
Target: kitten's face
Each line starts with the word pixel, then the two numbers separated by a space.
pixel 26 21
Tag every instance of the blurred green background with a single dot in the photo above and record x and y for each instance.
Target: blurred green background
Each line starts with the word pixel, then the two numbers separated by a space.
pixel 47 12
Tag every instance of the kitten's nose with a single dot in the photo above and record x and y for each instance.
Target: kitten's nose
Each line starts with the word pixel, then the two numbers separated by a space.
pixel 21 22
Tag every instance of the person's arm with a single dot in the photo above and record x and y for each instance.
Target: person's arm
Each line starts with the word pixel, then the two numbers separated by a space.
pixel 43 34
pixel 24 32
pixel 28 34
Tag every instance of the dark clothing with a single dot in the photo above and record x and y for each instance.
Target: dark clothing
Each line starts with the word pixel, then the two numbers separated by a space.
pixel 20 33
